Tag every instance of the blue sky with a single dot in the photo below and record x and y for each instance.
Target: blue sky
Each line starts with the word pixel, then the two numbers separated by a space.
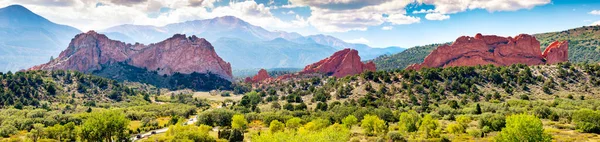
pixel 378 23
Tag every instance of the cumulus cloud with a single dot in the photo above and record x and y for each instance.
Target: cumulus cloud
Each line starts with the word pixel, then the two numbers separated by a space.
pixel 202 3
pixel 423 11
pixel 597 23
pixel 455 6
pixel 387 28
pixel 347 15
pixel 358 40
pixel 595 12
pixel 128 2
pixel 289 12
pixel 436 16
pixel 48 2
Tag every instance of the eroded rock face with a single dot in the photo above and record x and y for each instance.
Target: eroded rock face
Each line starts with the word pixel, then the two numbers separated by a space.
pixel 489 49
pixel 557 52
pixel 87 52
pixel 262 75
pixel 340 64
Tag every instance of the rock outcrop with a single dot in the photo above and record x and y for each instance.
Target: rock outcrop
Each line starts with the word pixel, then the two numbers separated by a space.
pixel 495 50
pixel 557 52
pixel 340 64
pixel 89 51
pixel 262 75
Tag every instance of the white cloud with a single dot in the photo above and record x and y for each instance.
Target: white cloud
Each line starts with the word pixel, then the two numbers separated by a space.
pixel 347 15
pixel 100 14
pixel 597 23
pixel 358 40
pixel 387 28
pixel 423 11
pixel 455 6
pixel 436 16
pixel 289 12
pixel 595 12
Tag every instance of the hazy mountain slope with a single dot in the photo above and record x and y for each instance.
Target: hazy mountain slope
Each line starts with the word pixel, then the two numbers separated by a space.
pixel 277 53
pixel 235 29
pixel 27 39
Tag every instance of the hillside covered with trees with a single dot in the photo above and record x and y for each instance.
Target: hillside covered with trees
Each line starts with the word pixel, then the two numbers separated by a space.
pixel 584 46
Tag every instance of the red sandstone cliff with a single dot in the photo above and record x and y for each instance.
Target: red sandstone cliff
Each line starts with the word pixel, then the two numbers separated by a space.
pixel 262 75
pixel 557 52
pixel 89 51
pixel 491 49
pixel 340 64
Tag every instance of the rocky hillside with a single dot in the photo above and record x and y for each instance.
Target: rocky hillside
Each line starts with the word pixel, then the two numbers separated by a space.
pixel 583 47
pixel 494 50
pixel 178 54
pixel 340 64
pixel 176 63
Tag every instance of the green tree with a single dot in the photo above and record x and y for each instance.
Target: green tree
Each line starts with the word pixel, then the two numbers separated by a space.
pixel 276 126
pixel 293 123
pixel 409 121
pixel 587 120
pixel 430 127
pixel 238 122
pixel 37 132
pixel 349 121
pixel 522 127
pixel 373 125
pixel 106 125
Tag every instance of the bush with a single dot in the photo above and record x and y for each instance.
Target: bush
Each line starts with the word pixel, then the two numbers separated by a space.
pixel 475 133
pixel 396 137
pixel 587 120
pixel 409 121
pixel 276 126
pixel 372 125
pixel 494 122
pixel 293 123
pixel 7 130
pixel 349 121
pixel 523 127
pixel 430 127
pixel 238 122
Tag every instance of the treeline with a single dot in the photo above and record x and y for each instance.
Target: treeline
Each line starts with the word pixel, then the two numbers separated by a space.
pixel 32 87
pixel 194 81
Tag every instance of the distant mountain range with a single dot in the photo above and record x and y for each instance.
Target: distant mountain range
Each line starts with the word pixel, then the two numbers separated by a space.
pixel 248 46
pixel 27 39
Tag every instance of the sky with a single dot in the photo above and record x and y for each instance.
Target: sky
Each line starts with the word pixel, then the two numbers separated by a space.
pixel 377 23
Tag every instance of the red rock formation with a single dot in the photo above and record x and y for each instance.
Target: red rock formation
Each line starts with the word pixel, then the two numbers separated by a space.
pixel 89 51
pixel 262 75
pixel 340 64
pixel 489 49
pixel 556 52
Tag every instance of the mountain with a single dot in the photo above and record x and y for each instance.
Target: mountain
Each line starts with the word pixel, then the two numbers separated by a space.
pixel 583 47
pixel 277 53
pixel 210 29
pixel 495 50
pixel 27 39
pixel 340 64
pixel 236 35
pixel 176 56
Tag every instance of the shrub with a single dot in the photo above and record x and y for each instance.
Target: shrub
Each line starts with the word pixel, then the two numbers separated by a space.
pixel 430 127
pixel 373 125
pixel 293 123
pixel 276 126
pixel 349 121
pixel 238 122
pixel 396 137
pixel 587 120
pixel 523 127
pixel 494 122
pixel 409 121
pixel 475 133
